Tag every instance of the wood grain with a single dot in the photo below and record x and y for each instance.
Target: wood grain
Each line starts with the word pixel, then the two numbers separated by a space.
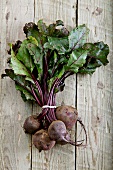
pixel 15 145
pixel 95 93
pixel 60 157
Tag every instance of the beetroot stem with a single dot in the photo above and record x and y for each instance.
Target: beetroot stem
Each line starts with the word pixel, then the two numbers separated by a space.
pixel 33 92
pixel 40 90
pixel 51 100
pixel 38 87
pixel 44 112
pixel 48 118
pixel 52 110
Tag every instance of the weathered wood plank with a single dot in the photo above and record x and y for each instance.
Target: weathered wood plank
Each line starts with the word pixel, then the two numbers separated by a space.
pixel 60 157
pixel 15 145
pixel 95 93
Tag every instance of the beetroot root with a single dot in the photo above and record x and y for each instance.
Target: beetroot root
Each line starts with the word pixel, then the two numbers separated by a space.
pixel 57 131
pixel 68 115
pixel 42 141
pixel 31 124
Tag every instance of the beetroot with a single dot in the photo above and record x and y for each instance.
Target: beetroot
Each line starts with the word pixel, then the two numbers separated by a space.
pixel 39 66
pixel 31 124
pixel 42 141
pixel 68 115
pixel 57 131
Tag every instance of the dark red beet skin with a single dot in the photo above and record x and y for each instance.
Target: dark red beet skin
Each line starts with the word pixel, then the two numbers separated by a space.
pixel 42 141
pixel 31 124
pixel 68 115
pixel 57 131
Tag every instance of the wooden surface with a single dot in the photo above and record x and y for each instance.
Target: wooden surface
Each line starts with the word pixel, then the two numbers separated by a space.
pixel 94 93
pixel 15 146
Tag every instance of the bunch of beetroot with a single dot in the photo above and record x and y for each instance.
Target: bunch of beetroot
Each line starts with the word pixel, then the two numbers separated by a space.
pixel 39 66
pixel 57 131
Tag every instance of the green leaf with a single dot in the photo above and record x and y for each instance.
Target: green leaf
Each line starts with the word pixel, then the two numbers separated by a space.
pixel 77 59
pixel 98 51
pixel 15 47
pixel 102 52
pixel 58 74
pixel 37 56
pixel 51 52
pixel 53 30
pixel 77 37
pixel 31 29
pixel 21 85
pixel 59 44
pixel 48 46
pixel 18 67
pixel 24 56
pixel 97 56
pixel 56 64
pixel 27 95
pixel 59 23
pixel 23 96
pixel 87 70
pixel 32 40
pixel 18 78
pixel 36 53
pixel 42 27
pixel 53 62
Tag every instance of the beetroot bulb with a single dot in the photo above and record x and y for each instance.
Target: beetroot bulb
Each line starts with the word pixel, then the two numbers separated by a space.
pixel 67 114
pixel 31 124
pixel 57 131
pixel 42 141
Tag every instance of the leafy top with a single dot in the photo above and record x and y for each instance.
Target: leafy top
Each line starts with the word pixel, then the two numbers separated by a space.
pixel 48 55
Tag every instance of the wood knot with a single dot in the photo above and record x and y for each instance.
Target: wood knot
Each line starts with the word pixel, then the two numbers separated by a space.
pixel 98 11
pixel 100 85
pixel 7 15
